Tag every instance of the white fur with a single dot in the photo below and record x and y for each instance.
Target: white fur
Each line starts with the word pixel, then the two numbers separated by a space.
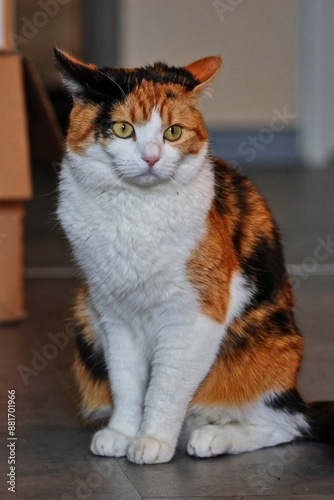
pixel 239 429
pixel 133 231
pixel 241 293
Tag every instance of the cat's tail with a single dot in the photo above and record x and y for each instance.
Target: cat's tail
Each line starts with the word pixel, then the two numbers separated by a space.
pixel 89 366
pixel 315 421
pixel 320 417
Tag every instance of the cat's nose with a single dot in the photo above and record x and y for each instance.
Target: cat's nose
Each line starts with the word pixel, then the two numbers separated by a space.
pixel 151 153
pixel 151 160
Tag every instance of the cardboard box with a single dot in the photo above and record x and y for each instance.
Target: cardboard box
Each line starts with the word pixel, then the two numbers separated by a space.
pixel 28 128
pixel 11 256
pixel 6 25
pixel 14 165
pixel 15 185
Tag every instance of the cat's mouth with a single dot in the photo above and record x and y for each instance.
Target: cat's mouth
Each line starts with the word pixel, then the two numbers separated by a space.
pixel 144 176
pixel 147 178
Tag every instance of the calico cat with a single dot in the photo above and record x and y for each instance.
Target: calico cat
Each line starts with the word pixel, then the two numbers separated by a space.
pixel 185 328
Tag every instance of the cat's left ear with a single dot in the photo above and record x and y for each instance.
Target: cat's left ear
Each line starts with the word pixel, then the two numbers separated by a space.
pixel 74 73
pixel 85 82
pixel 204 71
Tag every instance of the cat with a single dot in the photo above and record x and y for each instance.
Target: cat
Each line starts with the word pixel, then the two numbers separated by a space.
pixel 185 330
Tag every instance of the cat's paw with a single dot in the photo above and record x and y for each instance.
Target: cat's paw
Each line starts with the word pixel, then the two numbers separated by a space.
pixel 148 450
pixel 110 443
pixel 208 441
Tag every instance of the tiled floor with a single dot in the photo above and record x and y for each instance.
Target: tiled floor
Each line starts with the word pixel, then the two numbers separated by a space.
pixel 53 458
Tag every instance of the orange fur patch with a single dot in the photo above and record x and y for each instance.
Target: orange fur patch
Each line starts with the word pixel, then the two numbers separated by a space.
pixel 176 107
pixel 205 70
pixel 80 313
pixel 94 394
pixel 243 375
pixel 211 267
pixel 82 127
pixel 74 60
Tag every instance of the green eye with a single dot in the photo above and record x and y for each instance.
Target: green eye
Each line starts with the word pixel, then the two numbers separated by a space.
pixel 123 130
pixel 173 133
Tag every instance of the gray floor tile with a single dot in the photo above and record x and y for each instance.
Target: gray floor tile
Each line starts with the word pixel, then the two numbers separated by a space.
pixel 293 469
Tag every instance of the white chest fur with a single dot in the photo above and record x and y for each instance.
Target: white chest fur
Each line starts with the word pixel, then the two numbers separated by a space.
pixel 133 244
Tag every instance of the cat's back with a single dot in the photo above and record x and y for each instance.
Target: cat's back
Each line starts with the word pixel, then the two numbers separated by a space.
pixel 249 221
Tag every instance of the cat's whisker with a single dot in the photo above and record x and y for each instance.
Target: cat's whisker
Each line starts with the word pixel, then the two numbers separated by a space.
pixel 112 80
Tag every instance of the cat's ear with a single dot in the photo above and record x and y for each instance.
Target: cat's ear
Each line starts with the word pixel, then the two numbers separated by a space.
pixel 204 71
pixel 83 81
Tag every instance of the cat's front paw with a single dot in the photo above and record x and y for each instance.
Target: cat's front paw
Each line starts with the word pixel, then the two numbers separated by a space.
pixel 148 450
pixel 208 441
pixel 110 443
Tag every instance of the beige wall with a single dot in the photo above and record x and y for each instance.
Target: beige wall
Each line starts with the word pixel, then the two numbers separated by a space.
pixel 256 39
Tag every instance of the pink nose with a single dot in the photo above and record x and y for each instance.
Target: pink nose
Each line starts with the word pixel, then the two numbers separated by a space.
pixel 151 160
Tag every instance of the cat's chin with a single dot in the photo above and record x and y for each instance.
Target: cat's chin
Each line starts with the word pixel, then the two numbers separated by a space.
pixel 147 179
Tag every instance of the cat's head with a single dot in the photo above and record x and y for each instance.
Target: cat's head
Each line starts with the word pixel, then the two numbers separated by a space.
pixel 138 126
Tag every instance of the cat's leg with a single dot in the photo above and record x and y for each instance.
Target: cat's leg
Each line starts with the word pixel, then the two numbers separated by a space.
pixel 255 426
pixel 182 358
pixel 128 373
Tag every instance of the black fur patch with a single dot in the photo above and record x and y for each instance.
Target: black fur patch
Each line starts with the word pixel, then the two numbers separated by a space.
pixel 158 73
pixel 92 358
pixel 223 172
pixel 241 191
pixel 103 120
pixel 284 320
pixel 320 416
pixel 171 95
pixel 228 180
pixel 115 84
pixel 265 268
pixel 289 401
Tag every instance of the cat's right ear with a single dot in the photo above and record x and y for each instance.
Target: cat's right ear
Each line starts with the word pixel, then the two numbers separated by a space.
pixel 204 71
pixel 80 79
